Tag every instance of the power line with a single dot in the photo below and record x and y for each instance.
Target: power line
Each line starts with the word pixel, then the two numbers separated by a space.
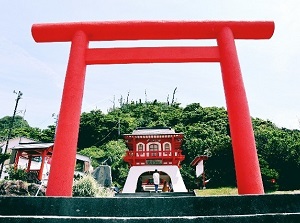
pixel 113 128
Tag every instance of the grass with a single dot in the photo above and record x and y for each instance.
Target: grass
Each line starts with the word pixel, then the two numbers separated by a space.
pixel 233 191
pixel 217 191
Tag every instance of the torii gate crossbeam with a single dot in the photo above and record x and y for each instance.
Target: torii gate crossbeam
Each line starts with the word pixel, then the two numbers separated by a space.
pixel 225 32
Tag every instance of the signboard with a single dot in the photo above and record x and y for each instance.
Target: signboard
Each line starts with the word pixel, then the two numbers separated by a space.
pixel 153 162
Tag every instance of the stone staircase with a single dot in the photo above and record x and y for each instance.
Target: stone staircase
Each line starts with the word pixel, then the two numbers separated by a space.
pixel 154 208
pixel 153 194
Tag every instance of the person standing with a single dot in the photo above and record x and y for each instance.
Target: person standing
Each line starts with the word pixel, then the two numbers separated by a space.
pixel 116 189
pixel 170 186
pixel 156 180
pixel 166 187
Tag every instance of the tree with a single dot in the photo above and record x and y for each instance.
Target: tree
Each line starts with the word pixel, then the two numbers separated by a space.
pixel 114 152
pixel 279 150
pixel 47 135
pixel 5 124
pixel 97 129
pixel 3 157
pixel 21 128
pixel 206 131
pixel 96 154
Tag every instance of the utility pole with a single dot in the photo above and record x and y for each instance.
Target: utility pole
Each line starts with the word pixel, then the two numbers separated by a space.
pixel 19 94
pixel 119 128
pixel 56 121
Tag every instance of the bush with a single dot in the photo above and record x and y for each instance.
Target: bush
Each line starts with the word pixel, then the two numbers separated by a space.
pixel 3 157
pixel 269 176
pixel 105 192
pixel 87 186
pixel 18 174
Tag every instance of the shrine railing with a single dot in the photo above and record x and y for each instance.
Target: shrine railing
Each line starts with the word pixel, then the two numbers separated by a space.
pixel 154 154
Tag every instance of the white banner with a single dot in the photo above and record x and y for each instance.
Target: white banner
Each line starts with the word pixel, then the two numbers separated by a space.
pixel 199 168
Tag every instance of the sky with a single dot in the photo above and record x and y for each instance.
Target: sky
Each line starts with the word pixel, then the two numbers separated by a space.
pixel 269 67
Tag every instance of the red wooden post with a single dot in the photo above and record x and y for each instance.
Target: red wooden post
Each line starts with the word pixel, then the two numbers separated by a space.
pixel 17 160
pixel 203 179
pixel 244 150
pixel 29 163
pixel 64 152
pixel 40 175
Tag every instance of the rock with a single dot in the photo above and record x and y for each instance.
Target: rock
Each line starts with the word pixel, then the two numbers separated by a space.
pixel 20 188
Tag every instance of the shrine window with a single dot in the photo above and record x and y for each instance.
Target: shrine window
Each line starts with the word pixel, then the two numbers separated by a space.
pixel 167 149
pixel 140 149
pixel 153 148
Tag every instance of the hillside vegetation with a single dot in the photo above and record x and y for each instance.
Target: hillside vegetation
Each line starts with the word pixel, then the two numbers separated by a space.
pixel 206 131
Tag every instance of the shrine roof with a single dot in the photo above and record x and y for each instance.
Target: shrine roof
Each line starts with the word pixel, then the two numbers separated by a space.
pixel 34 149
pixel 153 131
pixel 198 159
pixel 33 146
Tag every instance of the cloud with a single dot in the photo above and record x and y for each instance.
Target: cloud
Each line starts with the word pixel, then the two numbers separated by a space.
pixel 270 67
pixel 21 71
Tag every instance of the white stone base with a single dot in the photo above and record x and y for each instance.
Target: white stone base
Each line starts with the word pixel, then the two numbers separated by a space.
pixel 136 171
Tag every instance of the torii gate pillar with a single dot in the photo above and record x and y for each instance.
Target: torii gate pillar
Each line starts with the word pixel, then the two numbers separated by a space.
pixel 248 174
pixel 63 164
pixel 243 142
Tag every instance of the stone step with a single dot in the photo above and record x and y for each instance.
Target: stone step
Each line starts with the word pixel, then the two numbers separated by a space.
pixel 153 194
pixel 274 218
pixel 150 206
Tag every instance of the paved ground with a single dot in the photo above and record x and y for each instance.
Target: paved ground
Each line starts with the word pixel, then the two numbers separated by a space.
pixel 287 192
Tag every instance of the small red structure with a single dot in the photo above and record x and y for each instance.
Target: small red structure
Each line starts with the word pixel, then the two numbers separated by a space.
pixel 37 157
pixel 198 163
pixel 150 149
pixel 31 151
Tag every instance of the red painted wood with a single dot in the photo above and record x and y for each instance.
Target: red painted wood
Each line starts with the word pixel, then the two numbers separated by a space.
pixel 132 157
pixel 29 164
pixel 65 145
pixel 175 155
pixel 19 153
pixel 41 170
pixel 151 30
pixel 244 150
pixel 152 55
pixel 197 159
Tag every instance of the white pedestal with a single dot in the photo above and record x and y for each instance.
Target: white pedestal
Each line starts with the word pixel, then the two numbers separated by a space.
pixel 136 171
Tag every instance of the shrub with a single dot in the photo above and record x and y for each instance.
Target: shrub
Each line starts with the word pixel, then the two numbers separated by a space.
pixel 85 187
pixel 18 174
pixel 3 157
pixel 105 192
pixel 269 176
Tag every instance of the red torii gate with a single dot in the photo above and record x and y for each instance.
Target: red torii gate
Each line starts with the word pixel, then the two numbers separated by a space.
pixel 225 32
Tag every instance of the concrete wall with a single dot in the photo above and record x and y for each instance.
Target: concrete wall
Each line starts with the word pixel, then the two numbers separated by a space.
pixel 151 206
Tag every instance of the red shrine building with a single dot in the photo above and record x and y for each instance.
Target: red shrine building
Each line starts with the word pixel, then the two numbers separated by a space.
pixel 151 149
